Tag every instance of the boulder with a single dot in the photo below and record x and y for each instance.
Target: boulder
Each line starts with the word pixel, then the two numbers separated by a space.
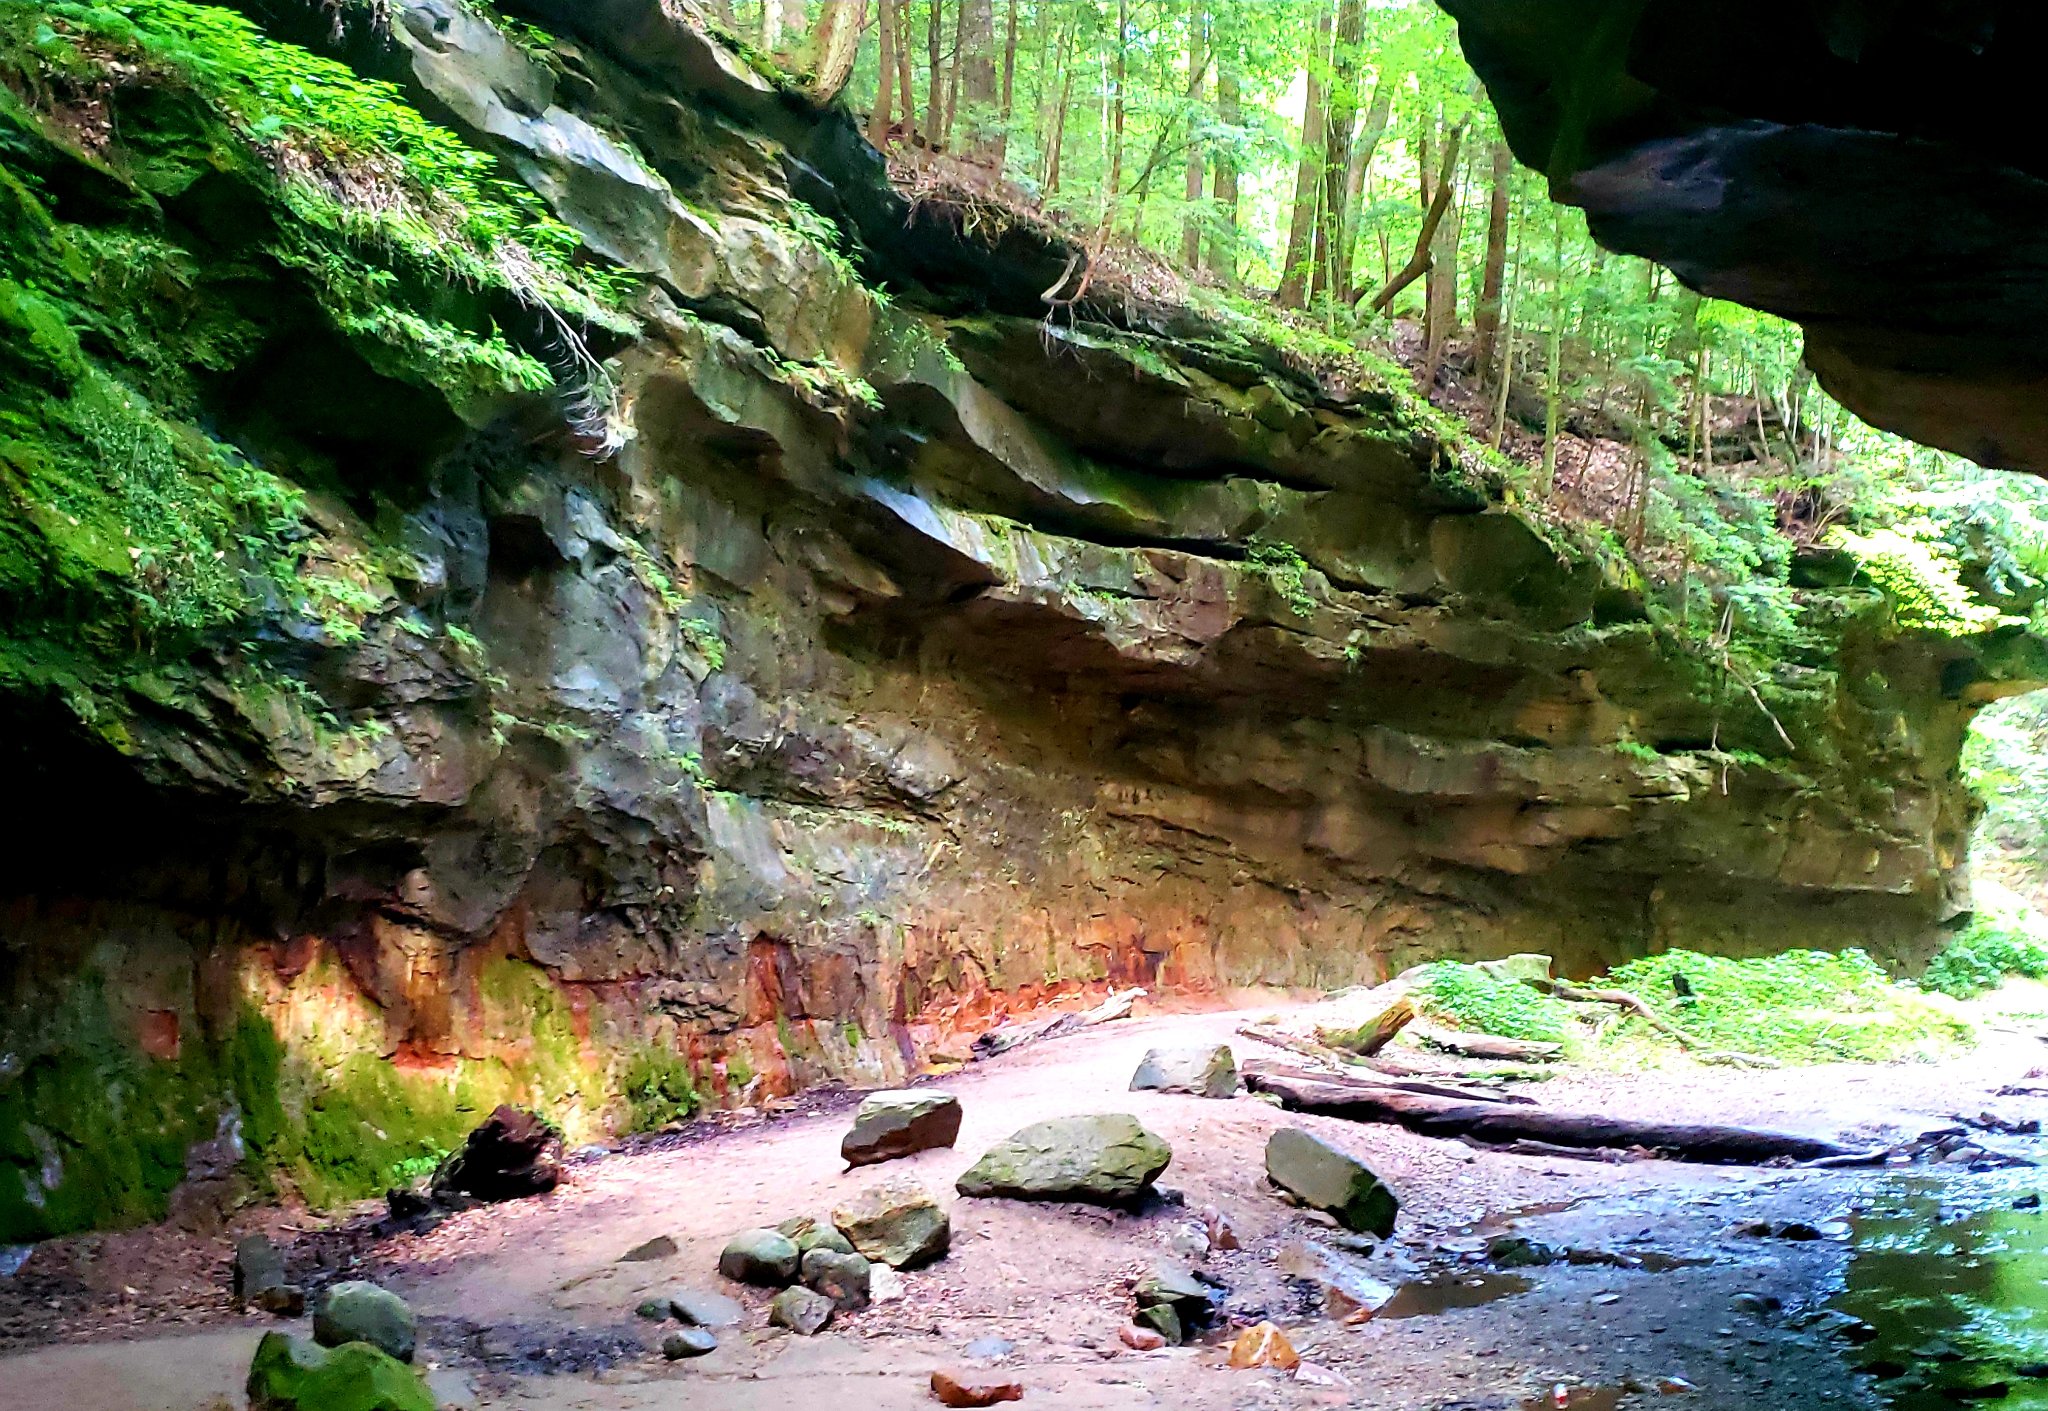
pixel 259 1266
pixel 1108 1160
pixel 688 1342
pixel 808 1234
pixel 765 1258
pixel 512 1154
pixel 843 1278
pixel 1324 1178
pixel 896 1223
pixel 1199 1072
pixel 701 1309
pixel 359 1311
pixel 801 1311
pixel 969 1388
pixel 293 1374
pixel 896 1124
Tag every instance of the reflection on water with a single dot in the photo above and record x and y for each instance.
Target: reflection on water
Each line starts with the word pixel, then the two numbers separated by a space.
pixel 1440 1293
pixel 1952 1274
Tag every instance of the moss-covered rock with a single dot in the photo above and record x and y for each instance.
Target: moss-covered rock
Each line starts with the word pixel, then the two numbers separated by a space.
pixel 292 1374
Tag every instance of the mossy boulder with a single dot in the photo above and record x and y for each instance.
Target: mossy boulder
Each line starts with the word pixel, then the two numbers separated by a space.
pixel 1108 1160
pixel 292 1374
pixel 1324 1178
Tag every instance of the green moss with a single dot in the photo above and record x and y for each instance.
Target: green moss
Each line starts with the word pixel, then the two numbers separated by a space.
pixel 1286 570
pixel 2005 937
pixel 1465 997
pixel 659 1089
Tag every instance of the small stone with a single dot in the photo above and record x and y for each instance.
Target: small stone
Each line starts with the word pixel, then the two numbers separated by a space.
pixel 1198 1072
pixel 885 1285
pixel 660 1247
pixel 1142 1339
pixel 360 1311
pixel 1314 1374
pixel 1327 1179
pixel 1216 1225
pixel 896 1223
pixel 843 1278
pixel 285 1300
pixel 989 1349
pixel 688 1342
pixel 704 1310
pixel 890 1125
pixel 1519 1252
pixel 824 1237
pixel 801 1311
pixel 1264 1346
pixel 760 1257
pixel 1193 1302
pixel 294 1374
pixel 1108 1160
pixel 652 1309
pixel 963 1388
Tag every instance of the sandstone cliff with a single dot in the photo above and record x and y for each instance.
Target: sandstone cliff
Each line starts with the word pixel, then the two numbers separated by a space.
pixel 716 633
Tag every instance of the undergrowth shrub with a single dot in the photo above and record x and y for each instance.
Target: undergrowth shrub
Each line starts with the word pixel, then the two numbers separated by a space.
pixel 1466 997
pixel 2005 937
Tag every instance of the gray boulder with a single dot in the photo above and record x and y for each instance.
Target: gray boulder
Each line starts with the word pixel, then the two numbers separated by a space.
pixel 801 1311
pixel 1108 1160
pixel 1324 1178
pixel 1199 1072
pixel 843 1278
pixel 766 1258
pixel 897 1124
pixel 359 1311
pixel 808 1234
pixel 896 1223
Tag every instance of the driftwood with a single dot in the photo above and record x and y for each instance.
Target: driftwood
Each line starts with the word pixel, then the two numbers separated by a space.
pixel 1490 1046
pixel 1502 1123
pixel 1051 1026
pixel 1375 1082
pixel 1376 1033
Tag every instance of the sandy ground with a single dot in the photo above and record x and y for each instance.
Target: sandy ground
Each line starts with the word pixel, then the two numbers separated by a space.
pixel 527 1304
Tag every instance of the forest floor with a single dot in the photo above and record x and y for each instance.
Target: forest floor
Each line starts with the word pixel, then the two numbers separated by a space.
pixel 528 1304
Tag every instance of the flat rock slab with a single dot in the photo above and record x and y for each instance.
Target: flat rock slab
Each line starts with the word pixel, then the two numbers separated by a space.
pixel 1324 1178
pixel 890 1125
pixel 958 1387
pixel 896 1223
pixel 1199 1072
pixel 702 1309
pixel 688 1342
pixel 660 1247
pixel 1106 1160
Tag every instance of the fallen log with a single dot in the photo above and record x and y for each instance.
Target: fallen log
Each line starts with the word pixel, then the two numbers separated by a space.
pixel 1012 1036
pixel 1375 1033
pixel 1637 1006
pixel 1374 1082
pixel 1502 1123
pixel 1489 1046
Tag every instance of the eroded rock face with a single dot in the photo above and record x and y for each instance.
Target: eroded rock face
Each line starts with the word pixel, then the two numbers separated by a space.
pixel 1877 176
pixel 858 671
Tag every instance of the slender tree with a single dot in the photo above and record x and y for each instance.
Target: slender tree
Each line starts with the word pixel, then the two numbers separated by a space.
pixel 1345 67
pixel 1486 316
pixel 882 115
pixel 1308 176
pixel 1229 114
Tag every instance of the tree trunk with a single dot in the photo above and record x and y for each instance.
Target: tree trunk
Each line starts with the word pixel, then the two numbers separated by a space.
pixel 1191 221
pixel 1059 124
pixel 1486 318
pixel 1116 147
pixel 885 77
pixel 1440 318
pixel 1507 1122
pixel 1337 146
pixel 1308 184
pixel 1439 202
pixel 905 74
pixel 1229 112
pixel 836 45
pixel 1002 140
pixel 1553 393
pixel 935 100
pixel 1363 149
pixel 975 71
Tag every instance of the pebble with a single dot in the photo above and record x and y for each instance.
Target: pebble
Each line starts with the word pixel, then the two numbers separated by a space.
pixel 965 1388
